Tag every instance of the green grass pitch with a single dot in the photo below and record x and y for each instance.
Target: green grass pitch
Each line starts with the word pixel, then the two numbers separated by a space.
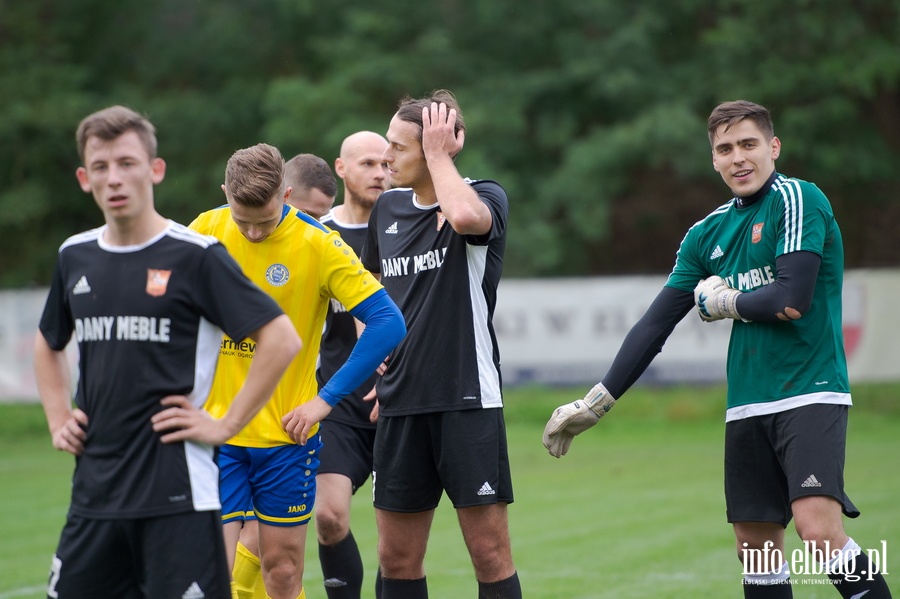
pixel 636 510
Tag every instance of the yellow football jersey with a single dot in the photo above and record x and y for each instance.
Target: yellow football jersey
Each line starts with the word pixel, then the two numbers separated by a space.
pixel 302 265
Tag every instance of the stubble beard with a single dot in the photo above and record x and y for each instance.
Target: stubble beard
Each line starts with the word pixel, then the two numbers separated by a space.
pixel 362 201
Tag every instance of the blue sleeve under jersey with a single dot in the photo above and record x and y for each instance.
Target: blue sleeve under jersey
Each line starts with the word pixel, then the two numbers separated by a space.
pixel 385 328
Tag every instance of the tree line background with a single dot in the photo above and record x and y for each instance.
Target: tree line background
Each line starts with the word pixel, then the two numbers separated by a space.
pixel 592 114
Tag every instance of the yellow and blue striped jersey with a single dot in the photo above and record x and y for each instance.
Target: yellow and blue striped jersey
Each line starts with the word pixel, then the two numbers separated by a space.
pixel 302 265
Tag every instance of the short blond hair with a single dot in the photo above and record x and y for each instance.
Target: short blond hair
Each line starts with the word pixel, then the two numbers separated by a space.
pixel 254 175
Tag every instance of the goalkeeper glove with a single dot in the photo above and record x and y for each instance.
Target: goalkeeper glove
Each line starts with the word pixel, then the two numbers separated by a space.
pixel 575 418
pixel 716 300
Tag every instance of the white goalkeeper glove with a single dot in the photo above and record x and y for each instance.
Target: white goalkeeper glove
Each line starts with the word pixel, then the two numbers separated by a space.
pixel 716 300
pixel 575 418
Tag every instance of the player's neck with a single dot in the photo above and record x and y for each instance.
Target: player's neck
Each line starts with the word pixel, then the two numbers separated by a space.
pixel 134 231
pixel 352 213
pixel 426 195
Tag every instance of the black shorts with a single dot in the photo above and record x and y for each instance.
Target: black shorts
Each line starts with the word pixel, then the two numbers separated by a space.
pixel 346 450
pixel 772 460
pixel 166 557
pixel 463 453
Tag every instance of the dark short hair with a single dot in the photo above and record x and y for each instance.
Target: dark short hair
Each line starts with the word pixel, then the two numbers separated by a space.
pixel 731 113
pixel 110 123
pixel 308 171
pixel 254 175
pixel 410 109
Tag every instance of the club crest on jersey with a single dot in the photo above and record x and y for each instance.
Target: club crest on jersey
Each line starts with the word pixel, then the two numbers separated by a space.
pixel 756 236
pixel 157 281
pixel 277 275
pixel 441 220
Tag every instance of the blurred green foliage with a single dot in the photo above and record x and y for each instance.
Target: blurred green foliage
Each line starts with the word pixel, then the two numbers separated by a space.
pixel 591 114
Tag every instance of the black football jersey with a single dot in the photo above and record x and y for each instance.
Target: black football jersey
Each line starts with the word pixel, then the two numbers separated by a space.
pixel 446 286
pixel 148 322
pixel 340 337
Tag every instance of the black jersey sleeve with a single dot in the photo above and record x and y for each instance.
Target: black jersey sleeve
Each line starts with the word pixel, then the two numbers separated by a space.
pixel 56 321
pixel 794 285
pixel 368 253
pixel 494 197
pixel 646 339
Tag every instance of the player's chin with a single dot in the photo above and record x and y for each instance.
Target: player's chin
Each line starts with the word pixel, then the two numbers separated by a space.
pixel 397 180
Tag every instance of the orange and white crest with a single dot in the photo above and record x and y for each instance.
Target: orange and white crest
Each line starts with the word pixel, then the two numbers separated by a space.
pixel 756 236
pixel 157 281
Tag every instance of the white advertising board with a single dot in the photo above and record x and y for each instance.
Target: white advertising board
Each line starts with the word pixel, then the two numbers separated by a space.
pixel 567 332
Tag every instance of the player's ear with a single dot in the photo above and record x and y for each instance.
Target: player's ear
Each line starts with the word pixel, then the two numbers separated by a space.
pixel 83 182
pixel 223 190
pixel 339 167
pixel 157 170
pixel 715 165
pixel 776 148
pixel 287 193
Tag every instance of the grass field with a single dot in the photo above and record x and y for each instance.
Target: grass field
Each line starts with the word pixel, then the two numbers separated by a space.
pixel 634 511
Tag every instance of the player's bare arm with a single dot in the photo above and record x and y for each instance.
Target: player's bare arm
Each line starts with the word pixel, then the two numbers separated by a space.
pixel 465 212
pixel 277 344
pixel 67 425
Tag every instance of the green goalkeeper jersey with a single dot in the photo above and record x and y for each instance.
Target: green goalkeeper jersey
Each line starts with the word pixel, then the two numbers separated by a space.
pixel 774 366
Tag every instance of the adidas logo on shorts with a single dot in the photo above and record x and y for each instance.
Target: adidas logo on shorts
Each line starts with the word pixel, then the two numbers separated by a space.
pixel 812 481
pixel 486 489
pixel 193 592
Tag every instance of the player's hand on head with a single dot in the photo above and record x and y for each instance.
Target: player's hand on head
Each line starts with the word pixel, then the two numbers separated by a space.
pixel 72 434
pixel 299 422
pixel 438 136
pixel 183 421
pixel 574 418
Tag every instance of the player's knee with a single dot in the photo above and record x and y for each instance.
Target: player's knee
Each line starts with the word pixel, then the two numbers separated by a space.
pixel 493 568
pixel 817 535
pixel 819 520
pixel 490 557
pixel 331 525
pixel 282 573
pixel 399 561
